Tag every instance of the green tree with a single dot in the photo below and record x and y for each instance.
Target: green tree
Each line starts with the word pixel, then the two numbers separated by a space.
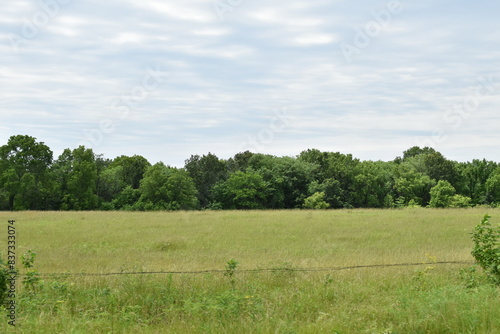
pixel 332 190
pixel 132 169
pixel 9 185
pixel 117 175
pixel 342 167
pixel 416 150
pixel 437 167
pixel 442 195
pixel 127 199
pixel 473 178
pixel 24 173
pixel 492 186
pixel 373 182
pixel 206 171
pixel 411 186
pixel 431 163
pixel 242 190
pixel 239 162
pixel 110 183
pixel 315 156
pixel 335 176
pixel 288 179
pixel 76 172
pixel 168 188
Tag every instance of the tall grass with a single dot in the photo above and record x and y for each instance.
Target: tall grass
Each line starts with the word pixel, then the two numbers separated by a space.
pixel 414 299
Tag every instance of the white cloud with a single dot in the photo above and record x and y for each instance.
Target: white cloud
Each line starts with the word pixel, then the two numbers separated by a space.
pixel 311 39
pixel 190 11
pixel 228 76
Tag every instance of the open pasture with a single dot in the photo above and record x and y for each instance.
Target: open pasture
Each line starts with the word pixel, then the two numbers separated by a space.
pixel 427 298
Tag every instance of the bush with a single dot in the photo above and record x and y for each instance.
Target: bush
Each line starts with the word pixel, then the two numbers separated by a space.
pixel 413 204
pixel 4 276
pixel 487 248
pixel 316 201
pixel 442 194
pixel 107 206
pixel 459 201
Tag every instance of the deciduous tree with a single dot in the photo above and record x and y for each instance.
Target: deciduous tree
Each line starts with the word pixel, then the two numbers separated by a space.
pixel 167 188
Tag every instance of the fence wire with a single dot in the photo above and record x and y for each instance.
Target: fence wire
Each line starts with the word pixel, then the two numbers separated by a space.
pixel 257 271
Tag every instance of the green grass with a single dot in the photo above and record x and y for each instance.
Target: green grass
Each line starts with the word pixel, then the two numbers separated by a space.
pixel 407 299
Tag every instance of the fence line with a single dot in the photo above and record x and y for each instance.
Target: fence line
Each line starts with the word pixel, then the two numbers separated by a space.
pixel 278 269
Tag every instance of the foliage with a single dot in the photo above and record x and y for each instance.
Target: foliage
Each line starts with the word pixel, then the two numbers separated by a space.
pixel 230 271
pixel 31 277
pixel 242 190
pixel 132 169
pixel 167 188
pixel 487 248
pixel 82 180
pixel 77 176
pixel 24 173
pixel 239 162
pixel 206 171
pixel 316 201
pixel 332 190
pixel 493 187
pixel 442 195
pixel 438 168
pixel 415 151
pixel 459 201
pixel 372 184
pixel 288 179
pixel 4 276
pixel 473 178
pixel 471 277
pixel 110 183
pixel 411 184
pixel 126 199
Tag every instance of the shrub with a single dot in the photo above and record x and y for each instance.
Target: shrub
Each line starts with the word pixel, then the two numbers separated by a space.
pixel 4 276
pixel 459 201
pixel 441 195
pixel 316 201
pixel 487 248
pixel 32 277
pixel 413 204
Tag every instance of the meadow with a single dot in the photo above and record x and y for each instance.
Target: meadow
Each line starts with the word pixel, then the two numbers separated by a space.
pixel 242 272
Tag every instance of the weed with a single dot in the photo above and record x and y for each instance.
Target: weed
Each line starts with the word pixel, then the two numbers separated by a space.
pixel 32 277
pixel 4 276
pixel 231 270
pixel 421 278
pixel 328 280
pixel 471 278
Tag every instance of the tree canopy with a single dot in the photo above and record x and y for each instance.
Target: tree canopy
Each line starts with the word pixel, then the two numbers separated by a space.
pixel 80 179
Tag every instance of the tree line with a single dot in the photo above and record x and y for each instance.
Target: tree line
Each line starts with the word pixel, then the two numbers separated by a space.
pixel 79 179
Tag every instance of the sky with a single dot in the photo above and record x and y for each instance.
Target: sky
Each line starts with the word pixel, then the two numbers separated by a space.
pixel 169 79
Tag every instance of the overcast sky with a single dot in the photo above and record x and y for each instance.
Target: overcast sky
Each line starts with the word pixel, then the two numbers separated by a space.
pixel 167 79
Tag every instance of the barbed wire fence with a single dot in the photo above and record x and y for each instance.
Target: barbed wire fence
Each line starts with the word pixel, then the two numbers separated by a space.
pixel 254 271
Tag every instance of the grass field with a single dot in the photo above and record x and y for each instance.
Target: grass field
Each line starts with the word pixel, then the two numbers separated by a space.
pixel 427 298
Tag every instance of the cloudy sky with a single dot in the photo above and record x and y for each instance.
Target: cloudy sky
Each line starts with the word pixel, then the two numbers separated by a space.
pixel 168 78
